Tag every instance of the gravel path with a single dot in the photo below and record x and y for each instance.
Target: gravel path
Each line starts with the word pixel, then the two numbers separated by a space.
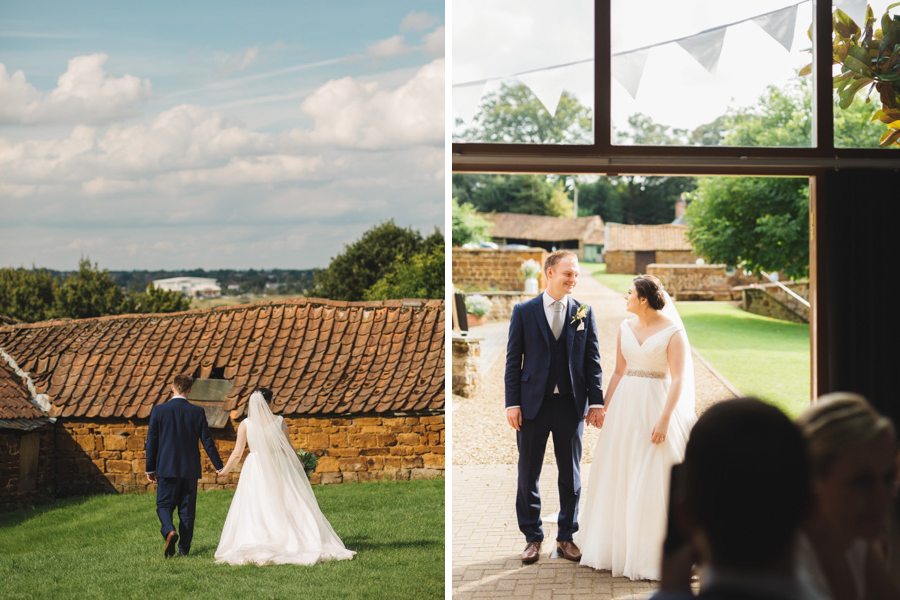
pixel 481 435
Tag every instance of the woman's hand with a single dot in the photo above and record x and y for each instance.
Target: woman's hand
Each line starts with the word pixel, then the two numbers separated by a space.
pixel 658 435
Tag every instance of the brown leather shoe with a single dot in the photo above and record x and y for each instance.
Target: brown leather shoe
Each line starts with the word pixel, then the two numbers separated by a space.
pixel 171 540
pixel 532 553
pixel 569 550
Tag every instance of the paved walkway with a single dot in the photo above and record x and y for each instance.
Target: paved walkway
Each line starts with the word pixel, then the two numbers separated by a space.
pixel 485 537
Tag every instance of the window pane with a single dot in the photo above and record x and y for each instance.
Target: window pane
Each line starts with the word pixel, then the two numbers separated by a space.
pixel 523 71
pixel 711 73
pixel 853 124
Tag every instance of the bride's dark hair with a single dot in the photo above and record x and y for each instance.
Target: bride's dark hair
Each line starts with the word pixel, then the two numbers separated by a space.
pixel 651 288
pixel 266 394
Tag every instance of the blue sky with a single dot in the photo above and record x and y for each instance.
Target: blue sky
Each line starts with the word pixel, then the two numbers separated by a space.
pixel 216 134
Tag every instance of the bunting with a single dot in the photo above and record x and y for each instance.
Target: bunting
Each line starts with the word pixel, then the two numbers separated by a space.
pixel 705 47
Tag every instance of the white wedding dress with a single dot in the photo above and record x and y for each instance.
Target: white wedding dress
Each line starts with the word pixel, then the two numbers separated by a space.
pixel 274 517
pixel 623 522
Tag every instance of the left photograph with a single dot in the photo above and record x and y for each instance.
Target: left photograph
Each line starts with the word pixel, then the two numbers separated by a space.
pixel 222 317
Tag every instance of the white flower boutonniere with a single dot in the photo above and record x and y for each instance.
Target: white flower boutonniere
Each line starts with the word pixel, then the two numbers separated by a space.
pixel 580 314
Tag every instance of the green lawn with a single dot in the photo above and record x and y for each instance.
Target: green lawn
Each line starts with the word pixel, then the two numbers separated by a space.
pixel 762 357
pixel 617 281
pixel 110 547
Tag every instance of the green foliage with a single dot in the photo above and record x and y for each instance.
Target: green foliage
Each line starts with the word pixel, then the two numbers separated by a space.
pixel 27 295
pixel 365 261
pixel 155 300
pixel 526 194
pixel 513 114
pixel 758 224
pixel 559 204
pixel 89 292
pixel 601 197
pixel 420 276
pixel 467 225
pixel 109 547
pixel 782 117
pixel 869 58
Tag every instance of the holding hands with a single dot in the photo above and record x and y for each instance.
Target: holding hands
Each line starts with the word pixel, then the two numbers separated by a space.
pixel 595 416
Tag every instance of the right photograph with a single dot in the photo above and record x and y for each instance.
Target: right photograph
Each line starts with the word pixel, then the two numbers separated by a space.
pixel 669 223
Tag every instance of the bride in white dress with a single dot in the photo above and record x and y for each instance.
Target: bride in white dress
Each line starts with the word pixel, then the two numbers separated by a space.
pixel 274 517
pixel 649 414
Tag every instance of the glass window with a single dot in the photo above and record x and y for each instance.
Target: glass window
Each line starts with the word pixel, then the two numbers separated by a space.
pixel 523 71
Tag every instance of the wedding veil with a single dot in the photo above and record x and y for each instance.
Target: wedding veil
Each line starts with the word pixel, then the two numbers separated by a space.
pixel 687 401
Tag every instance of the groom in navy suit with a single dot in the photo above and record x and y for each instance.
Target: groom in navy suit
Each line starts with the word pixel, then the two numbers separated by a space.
pixel 553 381
pixel 173 462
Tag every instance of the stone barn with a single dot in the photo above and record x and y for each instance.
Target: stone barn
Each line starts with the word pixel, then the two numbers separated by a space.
pixel 630 248
pixel 583 235
pixel 360 384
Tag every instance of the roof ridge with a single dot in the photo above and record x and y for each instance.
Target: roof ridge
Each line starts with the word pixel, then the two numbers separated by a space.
pixel 299 301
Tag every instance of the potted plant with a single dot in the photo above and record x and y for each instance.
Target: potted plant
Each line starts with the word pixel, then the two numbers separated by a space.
pixel 531 270
pixel 477 308
pixel 309 461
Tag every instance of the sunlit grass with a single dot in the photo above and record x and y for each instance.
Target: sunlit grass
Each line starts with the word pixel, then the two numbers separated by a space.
pixel 110 547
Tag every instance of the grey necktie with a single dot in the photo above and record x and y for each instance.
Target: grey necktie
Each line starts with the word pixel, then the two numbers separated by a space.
pixel 557 323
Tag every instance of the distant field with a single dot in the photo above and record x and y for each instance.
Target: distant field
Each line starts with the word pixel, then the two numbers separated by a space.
pixel 233 300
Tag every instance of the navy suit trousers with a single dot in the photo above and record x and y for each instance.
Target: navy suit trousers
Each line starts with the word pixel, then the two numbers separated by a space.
pixel 180 492
pixel 557 416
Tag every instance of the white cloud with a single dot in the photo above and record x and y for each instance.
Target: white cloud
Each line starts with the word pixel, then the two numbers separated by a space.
pixel 351 113
pixel 417 21
pixel 434 42
pixel 85 93
pixel 239 61
pixel 393 46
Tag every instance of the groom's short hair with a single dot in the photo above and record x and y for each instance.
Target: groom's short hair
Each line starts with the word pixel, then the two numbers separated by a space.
pixel 554 257
pixel 747 482
pixel 183 383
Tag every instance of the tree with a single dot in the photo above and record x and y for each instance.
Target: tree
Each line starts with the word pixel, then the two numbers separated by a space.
pixel 526 194
pixel 27 295
pixel 365 261
pixel 89 292
pixel 467 225
pixel 155 300
pixel 513 114
pixel 421 276
pixel 758 224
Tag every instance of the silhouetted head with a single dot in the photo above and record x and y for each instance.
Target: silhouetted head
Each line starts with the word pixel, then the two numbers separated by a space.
pixel 747 484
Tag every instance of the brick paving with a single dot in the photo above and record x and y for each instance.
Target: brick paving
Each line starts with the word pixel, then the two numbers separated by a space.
pixel 486 542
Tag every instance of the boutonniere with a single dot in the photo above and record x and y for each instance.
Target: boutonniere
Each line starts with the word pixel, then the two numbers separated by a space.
pixel 580 314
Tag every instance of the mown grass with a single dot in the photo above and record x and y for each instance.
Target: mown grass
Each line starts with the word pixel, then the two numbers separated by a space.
pixel 619 282
pixel 760 356
pixel 110 547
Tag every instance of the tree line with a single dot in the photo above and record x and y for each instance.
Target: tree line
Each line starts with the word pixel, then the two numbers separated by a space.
pixel 753 223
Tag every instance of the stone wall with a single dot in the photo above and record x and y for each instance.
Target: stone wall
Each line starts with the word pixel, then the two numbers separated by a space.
pixel 108 456
pixel 769 300
pixel 466 363
pixel 502 304
pixel 695 282
pixel 489 269
pixel 22 484
pixel 622 261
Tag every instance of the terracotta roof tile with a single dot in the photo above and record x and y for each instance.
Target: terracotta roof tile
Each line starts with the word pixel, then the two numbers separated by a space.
pixel 318 356
pixel 646 237
pixel 545 229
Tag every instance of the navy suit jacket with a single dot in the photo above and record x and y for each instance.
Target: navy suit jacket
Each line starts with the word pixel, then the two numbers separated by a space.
pixel 528 358
pixel 172 450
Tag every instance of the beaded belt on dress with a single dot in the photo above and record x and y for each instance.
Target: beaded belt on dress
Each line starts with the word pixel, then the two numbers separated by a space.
pixel 647 374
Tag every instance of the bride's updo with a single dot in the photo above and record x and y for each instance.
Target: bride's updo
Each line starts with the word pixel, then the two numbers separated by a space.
pixel 651 288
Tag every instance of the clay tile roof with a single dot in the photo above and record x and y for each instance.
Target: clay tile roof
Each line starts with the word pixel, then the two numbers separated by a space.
pixel 317 356
pixel 15 399
pixel 590 230
pixel 646 237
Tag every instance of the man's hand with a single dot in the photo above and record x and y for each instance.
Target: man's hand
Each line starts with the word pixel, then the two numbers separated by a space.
pixel 151 477
pixel 595 416
pixel 514 417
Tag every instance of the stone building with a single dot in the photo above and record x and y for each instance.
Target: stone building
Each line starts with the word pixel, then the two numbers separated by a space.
pixel 361 384
pixel 584 235
pixel 630 248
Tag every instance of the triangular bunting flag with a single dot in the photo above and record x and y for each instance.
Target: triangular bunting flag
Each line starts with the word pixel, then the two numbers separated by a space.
pixel 705 48
pixel 856 9
pixel 466 100
pixel 547 86
pixel 628 69
pixel 780 25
